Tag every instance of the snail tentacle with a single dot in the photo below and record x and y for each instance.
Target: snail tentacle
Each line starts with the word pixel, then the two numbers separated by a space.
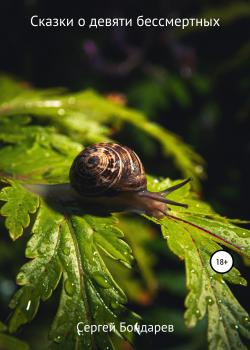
pixel 157 196
pixel 175 187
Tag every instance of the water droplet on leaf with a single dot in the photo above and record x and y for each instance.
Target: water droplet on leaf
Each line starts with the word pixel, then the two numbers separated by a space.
pixel 58 339
pixel 66 250
pixel 114 304
pixel 243 234
pixel 197 311
pixel 28 305
pixel 100 279
pixel 69 287
pixel 246 320
pixel 209 301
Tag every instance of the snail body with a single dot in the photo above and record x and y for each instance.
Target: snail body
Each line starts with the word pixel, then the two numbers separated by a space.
pixel 112 175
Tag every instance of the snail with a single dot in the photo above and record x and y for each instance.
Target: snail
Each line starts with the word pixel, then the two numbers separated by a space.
pixel 112 177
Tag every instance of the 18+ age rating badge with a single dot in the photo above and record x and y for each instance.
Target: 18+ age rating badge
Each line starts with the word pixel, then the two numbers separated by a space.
pixel 221 261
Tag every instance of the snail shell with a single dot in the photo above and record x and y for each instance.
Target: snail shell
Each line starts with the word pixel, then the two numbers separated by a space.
pixel 110 169
pixel 107 169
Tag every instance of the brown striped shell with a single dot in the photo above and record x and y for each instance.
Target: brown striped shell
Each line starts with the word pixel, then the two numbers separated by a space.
pixel 107 169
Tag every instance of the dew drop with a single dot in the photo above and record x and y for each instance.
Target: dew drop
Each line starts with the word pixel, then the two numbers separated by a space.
pixel 243 234
pixel 114 304
pixel 197 311
pixel 28 305
pixel 219 301
pixel 66 250
pixel 58 339
pixel 220 318
pixel 209 301
pixel 69 287
pixel 100 279
pixel 246 320
pixel 61 111
pixel 235 326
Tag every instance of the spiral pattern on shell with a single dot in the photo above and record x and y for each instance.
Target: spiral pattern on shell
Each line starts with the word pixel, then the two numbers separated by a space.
pixel 106 169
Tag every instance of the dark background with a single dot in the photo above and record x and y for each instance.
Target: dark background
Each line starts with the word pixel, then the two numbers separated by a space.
pixel 194 82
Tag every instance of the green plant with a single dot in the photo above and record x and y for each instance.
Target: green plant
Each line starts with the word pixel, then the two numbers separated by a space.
pixel 41 132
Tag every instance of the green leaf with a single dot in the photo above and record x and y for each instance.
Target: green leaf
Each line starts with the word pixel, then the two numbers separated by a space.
pixel 140 282
pixel 87 117
pixel 143 256
pixel 192 234
pixel 36 153
pixel 108 238
pixel 208 290
pixel 67 247
pixel 20 203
